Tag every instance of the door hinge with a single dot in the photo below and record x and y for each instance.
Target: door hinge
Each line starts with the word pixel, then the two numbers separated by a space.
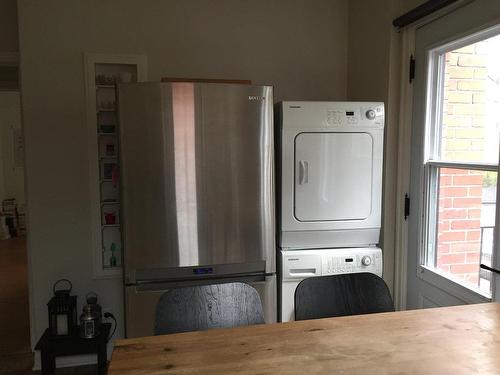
pixel 412 68
pixel 407 206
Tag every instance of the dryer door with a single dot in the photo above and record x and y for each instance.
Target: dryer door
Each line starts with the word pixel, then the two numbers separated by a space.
pixel 333 176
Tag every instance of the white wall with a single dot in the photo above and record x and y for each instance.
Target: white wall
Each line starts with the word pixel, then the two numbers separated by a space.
pixel 11 175
pixel 299 46
pixel 374 74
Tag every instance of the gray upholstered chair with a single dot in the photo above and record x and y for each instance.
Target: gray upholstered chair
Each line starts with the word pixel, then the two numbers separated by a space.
pixel 341 295
pixel 207 306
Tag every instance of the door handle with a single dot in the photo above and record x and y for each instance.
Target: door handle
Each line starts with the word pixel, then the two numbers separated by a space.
pixel 487 268
pixel 303 172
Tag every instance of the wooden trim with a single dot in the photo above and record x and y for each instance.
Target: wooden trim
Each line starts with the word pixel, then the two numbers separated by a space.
pixel 403 173
pixel 463 165
pixel 207 80
pixel 420 12
pixel 453 287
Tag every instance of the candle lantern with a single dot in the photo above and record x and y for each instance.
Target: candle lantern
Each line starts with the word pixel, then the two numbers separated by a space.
pixel 62 310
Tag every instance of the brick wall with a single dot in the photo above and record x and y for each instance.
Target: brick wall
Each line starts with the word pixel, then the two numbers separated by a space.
pixel 459 237
pixel 463 139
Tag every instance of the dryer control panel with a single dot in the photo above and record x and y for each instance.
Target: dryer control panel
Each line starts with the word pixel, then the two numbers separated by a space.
pixel 364 115
pixel 333 114
pixel 300 264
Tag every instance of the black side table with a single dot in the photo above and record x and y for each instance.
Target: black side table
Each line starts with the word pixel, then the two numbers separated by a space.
pixel 56 346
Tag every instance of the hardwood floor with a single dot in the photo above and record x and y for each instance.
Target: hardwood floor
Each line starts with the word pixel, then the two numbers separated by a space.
pixel 16 357
pixel 15 351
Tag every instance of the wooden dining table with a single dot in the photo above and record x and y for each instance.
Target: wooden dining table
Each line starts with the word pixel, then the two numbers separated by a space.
pixel 447 340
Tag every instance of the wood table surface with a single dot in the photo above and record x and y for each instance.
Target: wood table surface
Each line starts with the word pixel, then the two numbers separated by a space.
pixel 448 340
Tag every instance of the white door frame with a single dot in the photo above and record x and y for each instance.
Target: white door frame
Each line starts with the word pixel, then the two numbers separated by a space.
pixel 403 172
pixel 407 48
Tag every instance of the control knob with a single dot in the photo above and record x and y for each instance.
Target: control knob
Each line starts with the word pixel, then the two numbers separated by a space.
pixel 370 114
pixel 366 260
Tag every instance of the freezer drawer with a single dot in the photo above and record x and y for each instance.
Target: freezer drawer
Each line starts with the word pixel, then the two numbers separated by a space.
pixel 141 301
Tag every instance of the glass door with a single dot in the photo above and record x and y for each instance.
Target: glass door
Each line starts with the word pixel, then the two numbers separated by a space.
pixel 455 142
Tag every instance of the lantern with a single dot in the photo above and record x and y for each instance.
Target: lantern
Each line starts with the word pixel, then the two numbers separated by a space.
pixel 91 318
pixel 62 310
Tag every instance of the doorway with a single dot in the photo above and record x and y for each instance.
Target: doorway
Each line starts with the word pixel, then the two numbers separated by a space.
pixel 455 158
pixel 15 350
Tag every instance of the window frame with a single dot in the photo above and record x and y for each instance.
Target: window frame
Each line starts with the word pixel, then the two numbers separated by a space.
pixel 432 163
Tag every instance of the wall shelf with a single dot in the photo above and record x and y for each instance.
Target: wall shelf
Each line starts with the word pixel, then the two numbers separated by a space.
pixel 101 71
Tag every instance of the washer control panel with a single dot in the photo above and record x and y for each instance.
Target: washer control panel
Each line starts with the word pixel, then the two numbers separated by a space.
pixel 300 264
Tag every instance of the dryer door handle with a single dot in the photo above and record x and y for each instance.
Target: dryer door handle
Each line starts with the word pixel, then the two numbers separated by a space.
pixel 303 172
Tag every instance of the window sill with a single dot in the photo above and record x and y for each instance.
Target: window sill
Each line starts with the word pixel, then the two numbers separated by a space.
pixel 453 287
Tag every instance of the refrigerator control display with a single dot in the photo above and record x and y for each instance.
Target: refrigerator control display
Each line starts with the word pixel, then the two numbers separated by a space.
pixel 203 271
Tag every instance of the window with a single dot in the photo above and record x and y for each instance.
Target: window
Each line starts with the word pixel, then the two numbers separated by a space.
pixel 461 160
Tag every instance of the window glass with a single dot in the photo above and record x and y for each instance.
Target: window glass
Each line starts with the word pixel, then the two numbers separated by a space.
pixel 470 120
pixel 465 224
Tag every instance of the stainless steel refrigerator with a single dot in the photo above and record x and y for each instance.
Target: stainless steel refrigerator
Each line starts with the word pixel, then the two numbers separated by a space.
pixel 197 192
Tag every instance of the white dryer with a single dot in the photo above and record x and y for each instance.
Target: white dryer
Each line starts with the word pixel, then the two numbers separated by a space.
pixel 297 265
pixel 330 174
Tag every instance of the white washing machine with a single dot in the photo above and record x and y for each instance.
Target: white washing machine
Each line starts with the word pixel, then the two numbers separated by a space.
pixel 297 265
pixel 330 174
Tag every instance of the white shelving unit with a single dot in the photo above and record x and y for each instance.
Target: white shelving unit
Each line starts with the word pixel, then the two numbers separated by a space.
pixel 102 73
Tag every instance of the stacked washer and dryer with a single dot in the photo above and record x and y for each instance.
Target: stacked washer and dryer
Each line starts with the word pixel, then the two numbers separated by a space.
pixel 329 182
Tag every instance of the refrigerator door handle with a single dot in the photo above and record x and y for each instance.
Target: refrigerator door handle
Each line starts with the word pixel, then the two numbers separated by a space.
pixel 303 172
